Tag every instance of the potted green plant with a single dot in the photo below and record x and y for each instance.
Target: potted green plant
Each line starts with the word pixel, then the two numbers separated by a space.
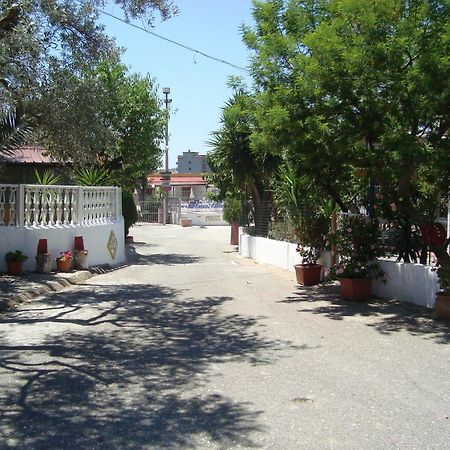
pixel 64 261
pixel 14 262
pixel 312 239
pixel 442 305
pixel 232 214
pixel 359 245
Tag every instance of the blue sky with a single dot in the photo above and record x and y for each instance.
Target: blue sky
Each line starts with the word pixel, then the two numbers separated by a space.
pixel 198 85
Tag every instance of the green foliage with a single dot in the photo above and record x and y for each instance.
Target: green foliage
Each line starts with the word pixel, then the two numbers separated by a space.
pixel 443 272
pixel 46 178
pixel 232 210
pixel 239 170
pixel 129 211
pixel 61 72
pixel 12 133
pixel 288 194
pixel 16 256
pixel 93 177
pixel 312 234
pixel 356 84
pixel 358 243
pixel 116 121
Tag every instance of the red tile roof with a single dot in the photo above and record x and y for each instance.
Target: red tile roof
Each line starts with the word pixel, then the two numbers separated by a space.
pixel 178 179
pixel 30 155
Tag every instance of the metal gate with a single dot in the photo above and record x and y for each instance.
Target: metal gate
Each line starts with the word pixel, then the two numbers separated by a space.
pixel 151 211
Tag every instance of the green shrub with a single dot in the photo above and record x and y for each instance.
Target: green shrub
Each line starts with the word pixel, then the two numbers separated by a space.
pixel 129 211
pixel 16 256
pixel 231 210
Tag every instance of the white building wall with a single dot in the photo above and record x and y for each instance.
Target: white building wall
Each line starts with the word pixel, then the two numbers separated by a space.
pixel 59 239
pixel 192 162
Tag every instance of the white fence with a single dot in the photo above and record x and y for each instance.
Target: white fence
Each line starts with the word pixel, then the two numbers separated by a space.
pixel 28 205
pixel 59 213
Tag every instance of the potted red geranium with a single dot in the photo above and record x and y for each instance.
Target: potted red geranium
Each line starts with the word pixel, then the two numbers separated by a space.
pixel 64 262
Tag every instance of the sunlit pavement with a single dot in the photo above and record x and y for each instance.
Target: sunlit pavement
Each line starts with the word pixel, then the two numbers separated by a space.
pixel 192 346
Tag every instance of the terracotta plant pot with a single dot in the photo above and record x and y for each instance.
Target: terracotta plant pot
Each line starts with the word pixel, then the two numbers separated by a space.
pixel 234 238
pixel 356 289
pixel 442 306
pixel 43 263
pixel 80 259
pixel 14 267
pixel 63 266
pixel 308 274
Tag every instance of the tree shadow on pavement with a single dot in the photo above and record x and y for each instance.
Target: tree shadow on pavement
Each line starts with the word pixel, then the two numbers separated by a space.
pixel 122 368
pixel 386 316
pixel 168 259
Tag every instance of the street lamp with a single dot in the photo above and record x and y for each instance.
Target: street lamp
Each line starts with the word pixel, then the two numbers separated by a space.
pixel 166 174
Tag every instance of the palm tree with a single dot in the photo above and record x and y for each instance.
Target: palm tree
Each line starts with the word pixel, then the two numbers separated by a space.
pixel 238 169
pixel 13 134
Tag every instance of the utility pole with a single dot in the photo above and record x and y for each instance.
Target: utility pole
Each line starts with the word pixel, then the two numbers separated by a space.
pixel 166 174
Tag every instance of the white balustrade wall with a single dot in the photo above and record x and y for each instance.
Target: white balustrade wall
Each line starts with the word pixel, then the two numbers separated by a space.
pixel 59 213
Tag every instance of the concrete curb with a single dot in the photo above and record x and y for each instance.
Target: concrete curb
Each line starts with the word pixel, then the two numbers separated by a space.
pixel 21 289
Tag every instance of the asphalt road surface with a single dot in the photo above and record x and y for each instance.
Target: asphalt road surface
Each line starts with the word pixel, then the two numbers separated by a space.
pixel 192 346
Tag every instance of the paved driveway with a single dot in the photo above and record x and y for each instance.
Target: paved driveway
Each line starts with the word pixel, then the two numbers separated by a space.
pixel 190 346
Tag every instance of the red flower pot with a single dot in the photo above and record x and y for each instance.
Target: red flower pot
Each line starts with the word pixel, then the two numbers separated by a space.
pixel 308 274
pixel 14 267
pixel 63 266
pixel 356 289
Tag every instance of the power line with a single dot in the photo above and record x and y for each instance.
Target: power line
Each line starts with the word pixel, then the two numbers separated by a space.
pixel 173 42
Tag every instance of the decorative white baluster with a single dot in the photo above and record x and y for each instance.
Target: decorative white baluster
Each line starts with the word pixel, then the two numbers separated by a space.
pixel 2 204
pixel 27 206
pixel 12 205
pixel 59 206
pixel 72 196
pixel 43 195
pixel 34 207
pixel 65 210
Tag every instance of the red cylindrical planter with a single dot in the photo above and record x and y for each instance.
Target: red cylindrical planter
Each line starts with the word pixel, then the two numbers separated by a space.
pixel 78 244
pixel 356 289
pixel 308 274
pixel 42 246
pixel 234 238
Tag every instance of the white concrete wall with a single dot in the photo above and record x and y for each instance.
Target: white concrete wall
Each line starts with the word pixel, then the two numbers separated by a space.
pixel 268 251
pixel 95 238
pixel 412 283
pixel 202 219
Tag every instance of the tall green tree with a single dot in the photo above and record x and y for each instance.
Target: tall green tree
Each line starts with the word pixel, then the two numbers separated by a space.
pixel 115 121
pixel 349 87
pixel 55 42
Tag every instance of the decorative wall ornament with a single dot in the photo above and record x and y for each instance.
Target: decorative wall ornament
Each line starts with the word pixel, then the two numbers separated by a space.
pixel 112 244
